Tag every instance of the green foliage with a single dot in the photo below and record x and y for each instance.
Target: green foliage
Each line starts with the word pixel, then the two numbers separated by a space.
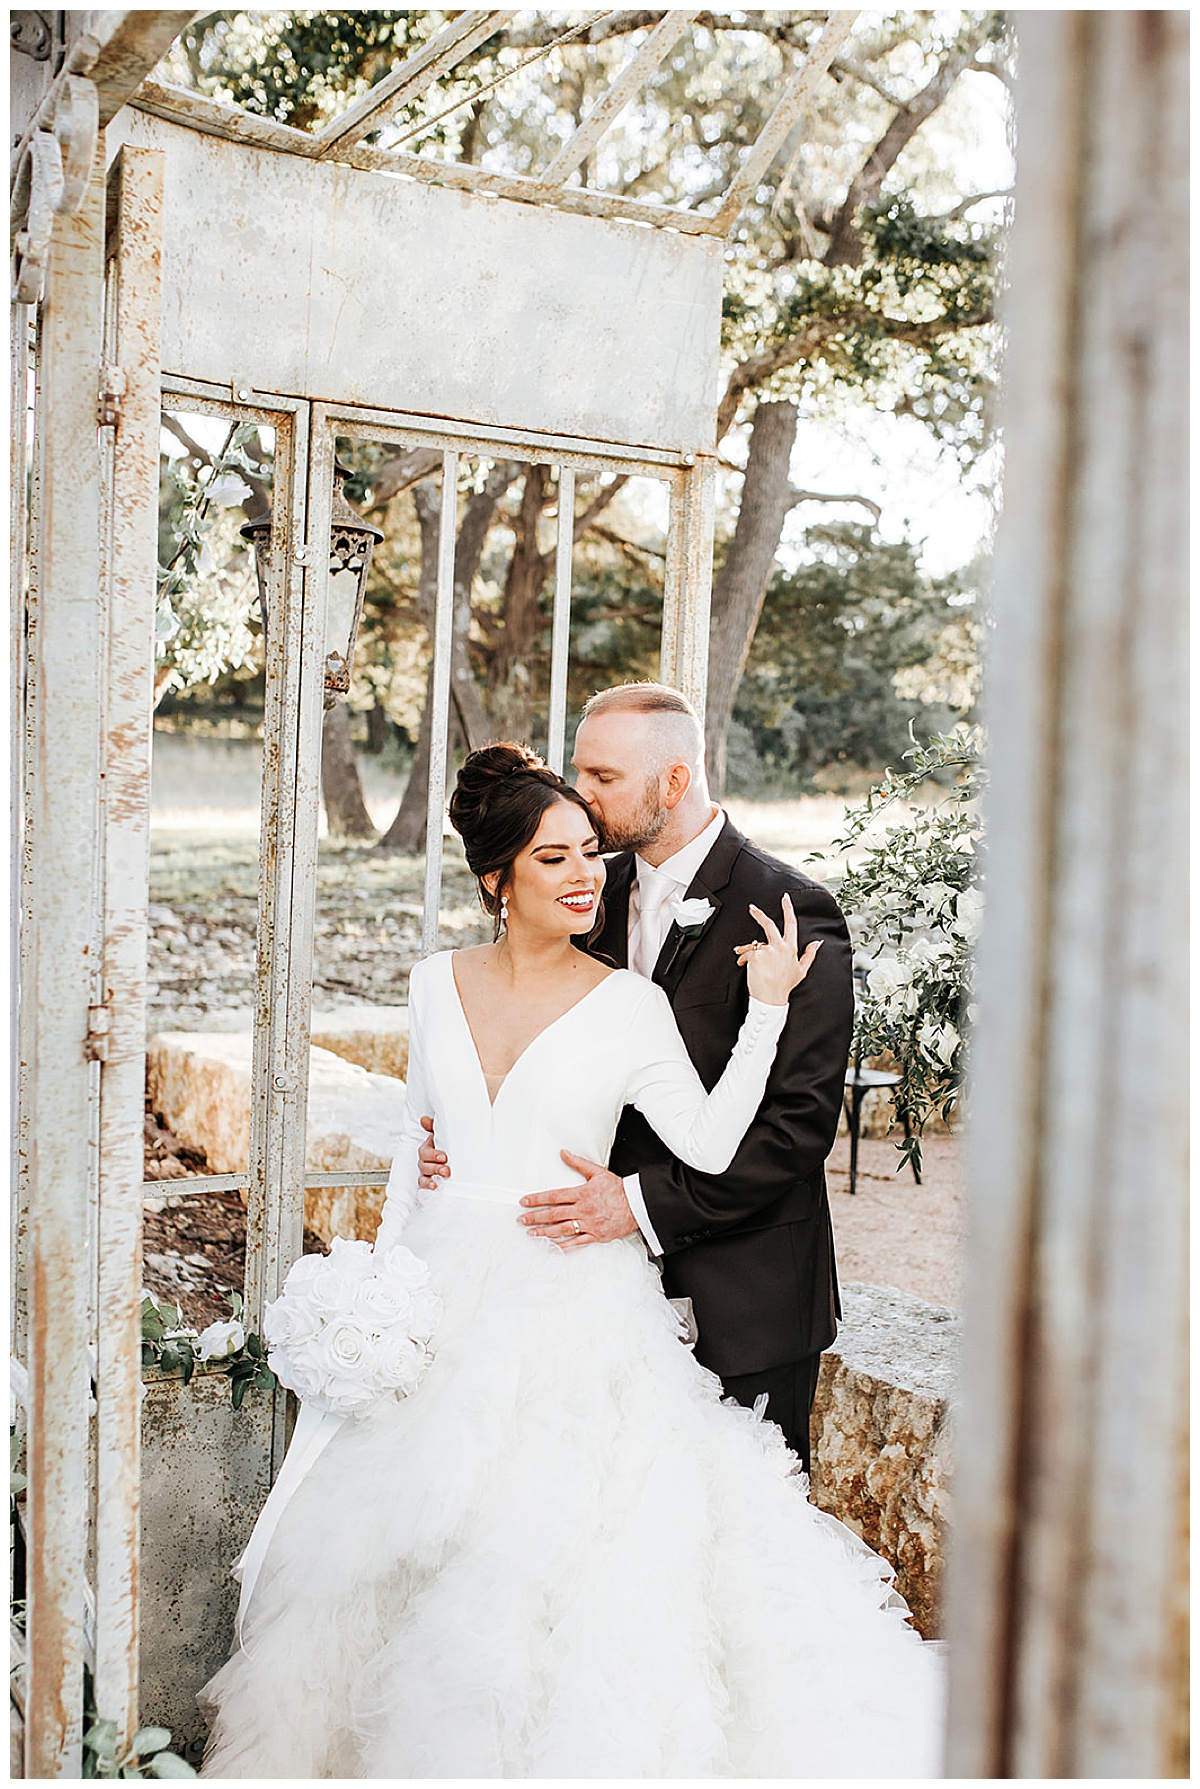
pixel 834 636
pixel 910 327
pixel 297 67
pixel 170 1346
pixel 148 1753
pixel 914 901
pixel 207 589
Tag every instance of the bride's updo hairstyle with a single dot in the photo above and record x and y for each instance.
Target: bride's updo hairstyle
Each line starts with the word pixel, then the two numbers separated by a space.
pixel 497 806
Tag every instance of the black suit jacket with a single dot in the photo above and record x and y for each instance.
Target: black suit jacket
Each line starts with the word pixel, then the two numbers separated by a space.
pixel 753 1247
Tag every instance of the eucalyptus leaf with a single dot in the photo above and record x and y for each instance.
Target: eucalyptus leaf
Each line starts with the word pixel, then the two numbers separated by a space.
pixel 149 1739
pixel 168 1764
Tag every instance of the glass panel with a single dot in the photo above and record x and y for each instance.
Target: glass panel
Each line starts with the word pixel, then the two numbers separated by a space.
pixel 216 474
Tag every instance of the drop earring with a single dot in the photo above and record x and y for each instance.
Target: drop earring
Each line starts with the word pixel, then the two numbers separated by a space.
pixel 504 911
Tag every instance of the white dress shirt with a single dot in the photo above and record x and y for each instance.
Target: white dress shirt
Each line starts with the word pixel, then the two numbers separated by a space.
pixel 649 923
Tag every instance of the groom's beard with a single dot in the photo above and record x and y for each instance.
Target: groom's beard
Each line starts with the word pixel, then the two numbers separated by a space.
pixel 642 826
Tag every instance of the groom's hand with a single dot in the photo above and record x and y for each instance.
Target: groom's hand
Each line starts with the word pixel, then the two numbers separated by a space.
pixel 433 1163
pixel 572 1216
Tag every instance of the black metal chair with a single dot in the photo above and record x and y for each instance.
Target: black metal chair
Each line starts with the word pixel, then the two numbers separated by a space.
pixel 859 1082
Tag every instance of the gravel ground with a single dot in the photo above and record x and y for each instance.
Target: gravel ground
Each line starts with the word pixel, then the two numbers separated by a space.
pixel 892 1232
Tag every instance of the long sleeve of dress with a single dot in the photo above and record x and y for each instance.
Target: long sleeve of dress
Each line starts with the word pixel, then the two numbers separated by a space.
pixel 702 1129
pixel 401 1194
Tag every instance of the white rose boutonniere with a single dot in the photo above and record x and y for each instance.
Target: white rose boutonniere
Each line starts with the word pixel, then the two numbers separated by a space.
pixel 691 916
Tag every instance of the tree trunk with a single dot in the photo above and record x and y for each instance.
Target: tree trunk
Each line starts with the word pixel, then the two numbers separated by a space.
pixel 407 832
pixel 379 727
pixel 741 583
pixel 341 785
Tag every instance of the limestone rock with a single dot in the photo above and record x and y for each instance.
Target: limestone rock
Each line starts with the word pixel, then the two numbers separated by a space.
pixel 375 1037
pixel 200 1085
pixel 882 1435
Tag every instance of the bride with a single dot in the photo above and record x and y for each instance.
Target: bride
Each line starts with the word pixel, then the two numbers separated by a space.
pixel 562 1555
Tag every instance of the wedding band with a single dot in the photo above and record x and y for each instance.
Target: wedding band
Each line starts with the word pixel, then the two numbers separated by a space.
pixel 578 1226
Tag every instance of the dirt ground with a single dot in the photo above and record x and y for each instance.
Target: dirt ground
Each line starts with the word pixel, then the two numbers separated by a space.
pixel 893 1232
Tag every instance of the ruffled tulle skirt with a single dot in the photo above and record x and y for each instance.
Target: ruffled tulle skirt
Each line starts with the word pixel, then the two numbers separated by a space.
pixel 564 1556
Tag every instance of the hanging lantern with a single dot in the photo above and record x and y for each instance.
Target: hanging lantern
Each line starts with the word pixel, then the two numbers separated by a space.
pixel 351 543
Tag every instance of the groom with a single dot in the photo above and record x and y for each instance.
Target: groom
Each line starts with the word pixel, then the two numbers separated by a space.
pixel 753 1247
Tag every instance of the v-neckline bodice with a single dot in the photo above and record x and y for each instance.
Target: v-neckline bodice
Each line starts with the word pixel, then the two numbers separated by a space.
pixel 535 1039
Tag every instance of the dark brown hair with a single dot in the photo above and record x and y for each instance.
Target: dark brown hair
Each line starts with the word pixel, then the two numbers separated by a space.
pixel 497 806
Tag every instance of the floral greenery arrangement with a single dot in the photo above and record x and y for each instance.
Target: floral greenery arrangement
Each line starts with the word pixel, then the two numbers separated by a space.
pixel 914 903
pixel 169 1345
pixel 207 587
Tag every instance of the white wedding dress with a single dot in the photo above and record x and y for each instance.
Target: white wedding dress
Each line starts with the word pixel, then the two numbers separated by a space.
pixel 562 1555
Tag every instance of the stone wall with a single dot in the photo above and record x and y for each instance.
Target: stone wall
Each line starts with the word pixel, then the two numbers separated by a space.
pixel 882 1434
pixel 205 1476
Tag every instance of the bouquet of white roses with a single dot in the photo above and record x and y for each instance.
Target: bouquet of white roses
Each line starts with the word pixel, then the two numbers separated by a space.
pixel 352 1327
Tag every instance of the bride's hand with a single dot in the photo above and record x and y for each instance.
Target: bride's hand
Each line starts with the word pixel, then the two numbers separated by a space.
pixel 773 969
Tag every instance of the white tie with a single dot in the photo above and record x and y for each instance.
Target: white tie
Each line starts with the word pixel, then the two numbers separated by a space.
pixel 654 891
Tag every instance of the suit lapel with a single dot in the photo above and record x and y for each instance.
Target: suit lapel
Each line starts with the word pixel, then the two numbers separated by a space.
pixel 706 884
pixel 612 941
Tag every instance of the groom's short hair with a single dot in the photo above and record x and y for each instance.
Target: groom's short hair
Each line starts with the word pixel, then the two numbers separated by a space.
pixel 679 724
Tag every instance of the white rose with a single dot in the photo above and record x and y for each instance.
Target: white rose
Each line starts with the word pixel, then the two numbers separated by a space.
pixel 399 1361
pixel 332 1291
pixel 886 978
pixel 299 1368
pixel 426 1312
pixel 220 1340
pixel 969 913
pixel 303 1272
pixel 400 1264
pixel 352 1257
pixel 947 1044
pixel 288 1320
pixel 937 896
pixel 690 915
pixel 381 1302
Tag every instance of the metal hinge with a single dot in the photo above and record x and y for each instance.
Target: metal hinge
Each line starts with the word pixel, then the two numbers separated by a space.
pixel 95 1044
pixel 112 390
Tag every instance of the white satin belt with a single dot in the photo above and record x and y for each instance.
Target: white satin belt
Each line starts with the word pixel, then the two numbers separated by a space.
pixel 489 1195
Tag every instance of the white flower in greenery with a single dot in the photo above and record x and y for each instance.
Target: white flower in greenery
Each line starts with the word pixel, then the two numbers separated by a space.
pixel 969 914
pixel 226 489
pixel 937 897
pixel 939 1042
pixel 887 978
pixel 220 1340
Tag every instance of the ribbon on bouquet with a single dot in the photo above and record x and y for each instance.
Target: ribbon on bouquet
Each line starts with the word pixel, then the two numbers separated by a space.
pixel 314 1430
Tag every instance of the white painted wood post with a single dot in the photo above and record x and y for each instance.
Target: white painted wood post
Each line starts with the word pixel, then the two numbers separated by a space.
pixel 1068 1572
pixel 687 593
pixel 439 696
pixel 62 1082
pixel 132 461
pixel 560 637
pixel 288 857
